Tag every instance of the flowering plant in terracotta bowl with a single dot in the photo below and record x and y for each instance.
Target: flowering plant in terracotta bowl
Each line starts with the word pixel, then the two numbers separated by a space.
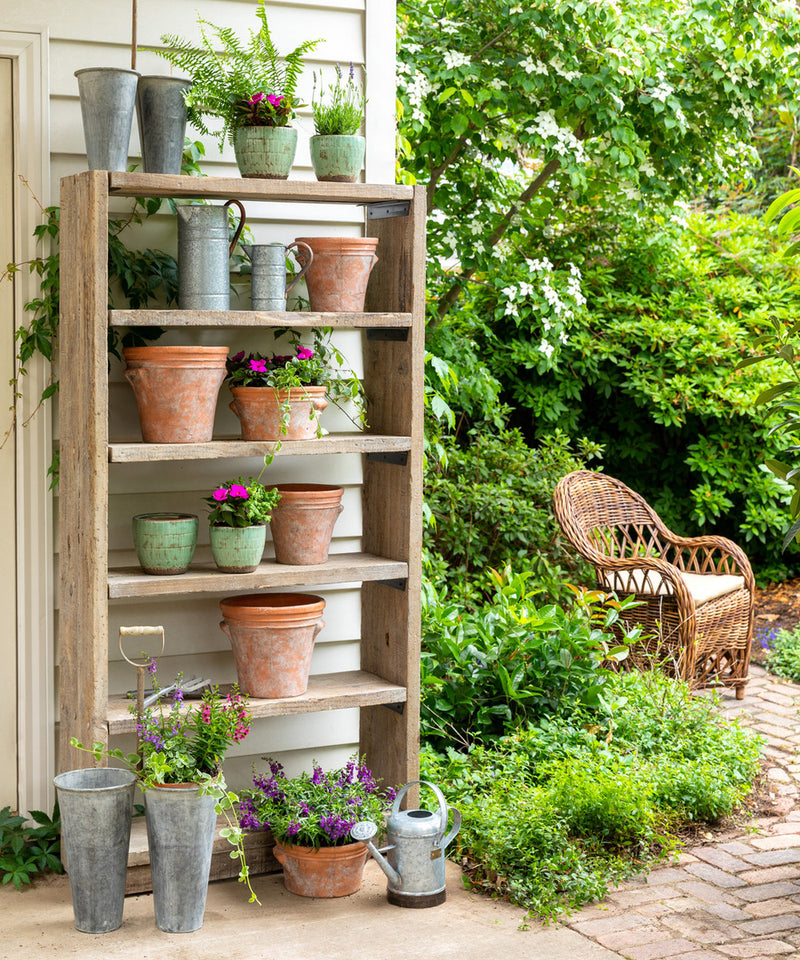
pixel 310 817
pixel 240 510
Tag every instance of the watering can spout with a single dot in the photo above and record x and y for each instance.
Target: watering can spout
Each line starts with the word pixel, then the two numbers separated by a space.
pixel 364 831
pixel 248 249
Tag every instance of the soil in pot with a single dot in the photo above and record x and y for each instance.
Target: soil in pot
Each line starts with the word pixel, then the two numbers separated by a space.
pixel 302 522
pixel 262 411
pixel 326 872
pixel 338 275
pixel 176 391
pixel 272 636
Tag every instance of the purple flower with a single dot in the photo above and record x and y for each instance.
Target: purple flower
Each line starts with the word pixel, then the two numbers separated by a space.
pixel 317 777
pixel 293 829
pixel 256 98
pixel 258 366
pixel 152 666
pixel 767 635
pixel 220 494
pixel 240 492
pixel 238 357
pixel 177 697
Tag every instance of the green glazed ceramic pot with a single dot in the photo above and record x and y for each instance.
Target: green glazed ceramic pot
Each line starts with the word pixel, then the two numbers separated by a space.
pixel 338 158
pixel 265 153
pixel 238 549
pixel 165 542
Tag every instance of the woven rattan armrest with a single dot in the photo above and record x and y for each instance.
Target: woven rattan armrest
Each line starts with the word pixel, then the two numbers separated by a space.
pixel 710 555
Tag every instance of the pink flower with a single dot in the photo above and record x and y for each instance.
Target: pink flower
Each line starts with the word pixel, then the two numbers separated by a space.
pixel 257 98
pixel 304 353
pixel 240 492
pixel 275 101
pixel 258 366
pixel 220 494
pixel 205 713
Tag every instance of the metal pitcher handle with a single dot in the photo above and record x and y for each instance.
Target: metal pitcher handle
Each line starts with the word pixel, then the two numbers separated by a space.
pixel 304 267
pixel 242 221
pixel 444 810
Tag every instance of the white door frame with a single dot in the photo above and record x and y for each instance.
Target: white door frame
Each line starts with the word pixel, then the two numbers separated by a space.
pixel 36 708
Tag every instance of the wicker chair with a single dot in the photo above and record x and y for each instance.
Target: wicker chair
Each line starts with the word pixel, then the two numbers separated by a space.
pixel 695 593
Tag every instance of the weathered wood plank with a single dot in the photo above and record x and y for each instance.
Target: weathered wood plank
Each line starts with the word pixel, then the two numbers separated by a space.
pixel 392 494
pixel 83 488
pixel 334 443
pixel 205 578
pixel 251 318
pixel 329 691
pixel 225 188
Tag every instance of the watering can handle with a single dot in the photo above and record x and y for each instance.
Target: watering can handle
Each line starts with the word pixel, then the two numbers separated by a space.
pixel 242 221
pixel 444 810
pixel 303 267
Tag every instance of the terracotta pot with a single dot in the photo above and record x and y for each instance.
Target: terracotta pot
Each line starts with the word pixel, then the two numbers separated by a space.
pixel 338 275
pixel 302 522
pixel 326 872
pixel 272 635
pixel 176 391
pixel 262 411
pixel 237 549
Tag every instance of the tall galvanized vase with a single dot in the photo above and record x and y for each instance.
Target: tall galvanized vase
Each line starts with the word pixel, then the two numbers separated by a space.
pixel 107 96
pixel 161 112
pixel 96 807
pixel 180 834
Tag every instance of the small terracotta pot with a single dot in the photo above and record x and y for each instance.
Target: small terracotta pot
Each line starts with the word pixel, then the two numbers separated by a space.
pixel 272 636
pixel 176 391
pixel 261 411
pixel 237 549
pixel 326 872
pixel 338 275
pixel 302 522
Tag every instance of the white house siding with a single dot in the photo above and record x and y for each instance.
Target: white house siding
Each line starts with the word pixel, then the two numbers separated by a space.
pixel 96 32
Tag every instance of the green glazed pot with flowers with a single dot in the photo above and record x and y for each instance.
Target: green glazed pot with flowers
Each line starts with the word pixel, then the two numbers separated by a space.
pixel 240 511
pixel 249 86
pixel 337 149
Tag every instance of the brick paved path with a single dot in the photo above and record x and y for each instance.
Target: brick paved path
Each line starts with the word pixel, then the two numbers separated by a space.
pixel 735 896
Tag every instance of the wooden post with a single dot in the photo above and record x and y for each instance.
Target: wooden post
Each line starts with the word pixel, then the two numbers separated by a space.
pixel 392 494
pixel 83 484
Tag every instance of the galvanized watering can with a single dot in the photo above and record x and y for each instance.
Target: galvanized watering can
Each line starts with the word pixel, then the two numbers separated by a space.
pixel 269 273
pixel 415 850
pixel 204 253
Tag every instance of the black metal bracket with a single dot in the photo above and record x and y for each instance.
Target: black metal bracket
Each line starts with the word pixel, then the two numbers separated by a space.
pixel 400 584
pixel 399 334
pixel 396 707
pixel 386 209
pixel 398 457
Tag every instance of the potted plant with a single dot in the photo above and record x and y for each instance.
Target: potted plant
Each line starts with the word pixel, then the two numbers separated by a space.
pixel 240 511
pixel 249 86
pixel 281 396
pixel 310 817
pixel 178 769
pixel 337 149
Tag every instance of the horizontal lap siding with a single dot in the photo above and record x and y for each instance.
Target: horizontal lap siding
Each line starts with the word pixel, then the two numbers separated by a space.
pixel 96 32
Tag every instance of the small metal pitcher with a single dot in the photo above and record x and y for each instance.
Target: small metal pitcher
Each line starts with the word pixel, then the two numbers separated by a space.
pixel 269 273
pixel 204 255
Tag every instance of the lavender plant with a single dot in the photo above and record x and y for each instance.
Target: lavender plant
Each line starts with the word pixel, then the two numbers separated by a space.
pixel 344 113
pixel 316 810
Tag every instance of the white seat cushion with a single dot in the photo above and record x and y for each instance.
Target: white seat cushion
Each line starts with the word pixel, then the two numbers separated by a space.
pixel 702 586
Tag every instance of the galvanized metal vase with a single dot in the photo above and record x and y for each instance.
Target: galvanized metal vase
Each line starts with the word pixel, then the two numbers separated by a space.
pixel 238 549
pixel 180 835
pixel 161 113
pixel 96 807
pixel 107 97
pixel 165 542
pixel 265 153
pixel 337 158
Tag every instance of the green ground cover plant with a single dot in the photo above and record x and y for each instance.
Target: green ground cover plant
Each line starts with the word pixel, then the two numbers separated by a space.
pixel 27 850
pixel 783 652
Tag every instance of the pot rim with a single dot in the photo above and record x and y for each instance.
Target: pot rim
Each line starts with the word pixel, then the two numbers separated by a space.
pixel 342 850
pixel 166 517
pixel 270 393
pixel 280 602
pixel 106 70
pixel 324 489
pixel 371 242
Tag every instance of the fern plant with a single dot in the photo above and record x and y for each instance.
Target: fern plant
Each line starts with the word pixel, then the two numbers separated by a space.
pixel 245 83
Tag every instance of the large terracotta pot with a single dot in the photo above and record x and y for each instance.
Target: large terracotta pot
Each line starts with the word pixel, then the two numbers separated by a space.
pixel 176 391
pixel 272 636
pixel 302 522
pixel 326 872
pixel 262 411
pixel 338 275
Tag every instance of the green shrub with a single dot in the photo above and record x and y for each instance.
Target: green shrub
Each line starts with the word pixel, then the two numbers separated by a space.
pixel 27 850
pixel 783 654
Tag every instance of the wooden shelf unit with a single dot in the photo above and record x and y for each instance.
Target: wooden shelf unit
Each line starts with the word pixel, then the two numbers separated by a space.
pixel 389 567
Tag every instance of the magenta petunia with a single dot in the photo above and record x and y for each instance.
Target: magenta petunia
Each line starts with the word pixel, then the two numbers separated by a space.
pixel 220 494
pixel 240 492
pixel 257 98
pixel 304 353
pixel 258 366
pixel 275 100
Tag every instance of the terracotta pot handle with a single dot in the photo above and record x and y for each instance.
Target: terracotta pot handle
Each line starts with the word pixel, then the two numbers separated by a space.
pixel 234 405
pixel 318 628
pixel 278 854
pixel 319 403
pixel 131 374
pixel 341 507
pixel 224 628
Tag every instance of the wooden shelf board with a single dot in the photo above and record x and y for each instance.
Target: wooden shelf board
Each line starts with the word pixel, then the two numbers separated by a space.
pixel 251 318
pixel 205 578
pixel 224 188
pixel 329 691
pixel 333 443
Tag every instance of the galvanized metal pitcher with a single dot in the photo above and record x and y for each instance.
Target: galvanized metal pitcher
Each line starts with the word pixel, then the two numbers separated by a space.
pixel 204 255
pixel 415 853
pixel 269 273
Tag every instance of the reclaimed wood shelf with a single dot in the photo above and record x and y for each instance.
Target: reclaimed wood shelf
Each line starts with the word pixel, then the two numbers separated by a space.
pixel 389 568
pixel 206 578
pixel 327 691
pixel 217 449
pixel 255 318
